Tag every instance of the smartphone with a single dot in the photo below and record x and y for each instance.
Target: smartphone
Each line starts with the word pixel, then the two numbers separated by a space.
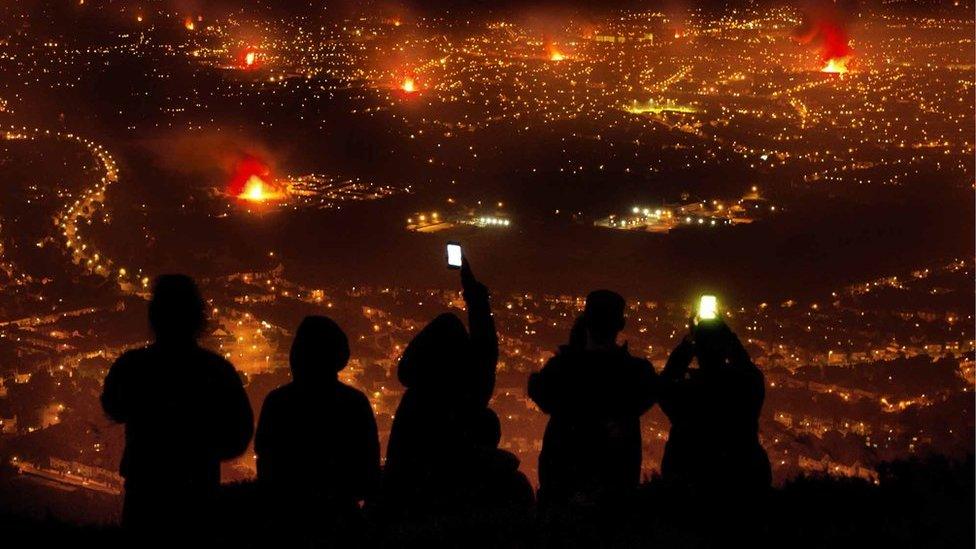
pixel 454 255
pixel 707 308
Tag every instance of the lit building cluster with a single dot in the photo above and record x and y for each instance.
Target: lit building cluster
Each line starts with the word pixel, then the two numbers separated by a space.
pixel 478 217
pixel 667 217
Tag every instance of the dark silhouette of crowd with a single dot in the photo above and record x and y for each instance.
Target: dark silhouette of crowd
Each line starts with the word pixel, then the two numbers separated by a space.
pixel 319 475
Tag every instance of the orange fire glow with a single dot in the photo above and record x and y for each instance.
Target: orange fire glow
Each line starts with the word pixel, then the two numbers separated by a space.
pixel 409 85
pixel 254 190
pixel 836 65
pixel 250 58
pixel 555 54
pixel 188 24
pixel 252 182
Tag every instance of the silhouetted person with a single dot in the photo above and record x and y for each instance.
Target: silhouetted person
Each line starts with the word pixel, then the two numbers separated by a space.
pixel 317 448
pixel 184 410
pixel 449 377
pixel 713 447
pixel 499 486
pixel 595 393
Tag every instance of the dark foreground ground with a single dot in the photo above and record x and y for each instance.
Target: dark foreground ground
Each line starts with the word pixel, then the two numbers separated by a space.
pixel 919 503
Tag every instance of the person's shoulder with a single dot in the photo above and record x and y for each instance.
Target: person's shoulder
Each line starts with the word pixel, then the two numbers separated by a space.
pixel 136 353
pixel 558 365
pixel 636 360
pixel 278 395
pixel 279 392
pixel 212 358
pixel 132 356
pixel 641 363
pixel 635 363
pixel 216 362
pixel 351 394
pixel 756 374
pixel 564 355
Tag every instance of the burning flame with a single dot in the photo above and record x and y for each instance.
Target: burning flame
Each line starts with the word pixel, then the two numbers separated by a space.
pixel 252 181
pixel 188 24
pixel 408 85
pixel 836 65
pixel 554 53
pixel 826 29
pixel 254 190
pixel 250 58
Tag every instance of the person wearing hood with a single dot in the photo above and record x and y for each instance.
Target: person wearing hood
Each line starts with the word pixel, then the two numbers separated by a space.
pixel 316 443
pixel 595 393
pixel 449 376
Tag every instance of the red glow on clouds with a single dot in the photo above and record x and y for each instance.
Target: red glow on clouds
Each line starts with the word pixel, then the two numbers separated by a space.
pixel 246 168
pixel 828 32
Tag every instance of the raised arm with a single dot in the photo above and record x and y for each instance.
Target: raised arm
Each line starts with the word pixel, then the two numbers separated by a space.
pixel 672 383
pixel 484 338
pixel 738 356
pixel 679 360
pixel 547 387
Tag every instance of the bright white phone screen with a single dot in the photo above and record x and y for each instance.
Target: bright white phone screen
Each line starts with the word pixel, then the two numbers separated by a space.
pixel 707 307
pixel 454 255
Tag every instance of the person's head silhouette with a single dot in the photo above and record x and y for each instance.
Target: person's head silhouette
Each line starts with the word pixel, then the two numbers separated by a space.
pixel 444 338
pixel 604 317
pixel 177 312
pixel 431 357
pixel 319 351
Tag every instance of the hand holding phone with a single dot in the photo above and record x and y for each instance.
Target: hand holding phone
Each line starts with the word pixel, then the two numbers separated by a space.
pixel 469 284
pixel 707 308
pixel 455 255
pixel 706 316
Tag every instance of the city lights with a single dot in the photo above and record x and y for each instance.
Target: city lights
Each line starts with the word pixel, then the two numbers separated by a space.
pixel 806 167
